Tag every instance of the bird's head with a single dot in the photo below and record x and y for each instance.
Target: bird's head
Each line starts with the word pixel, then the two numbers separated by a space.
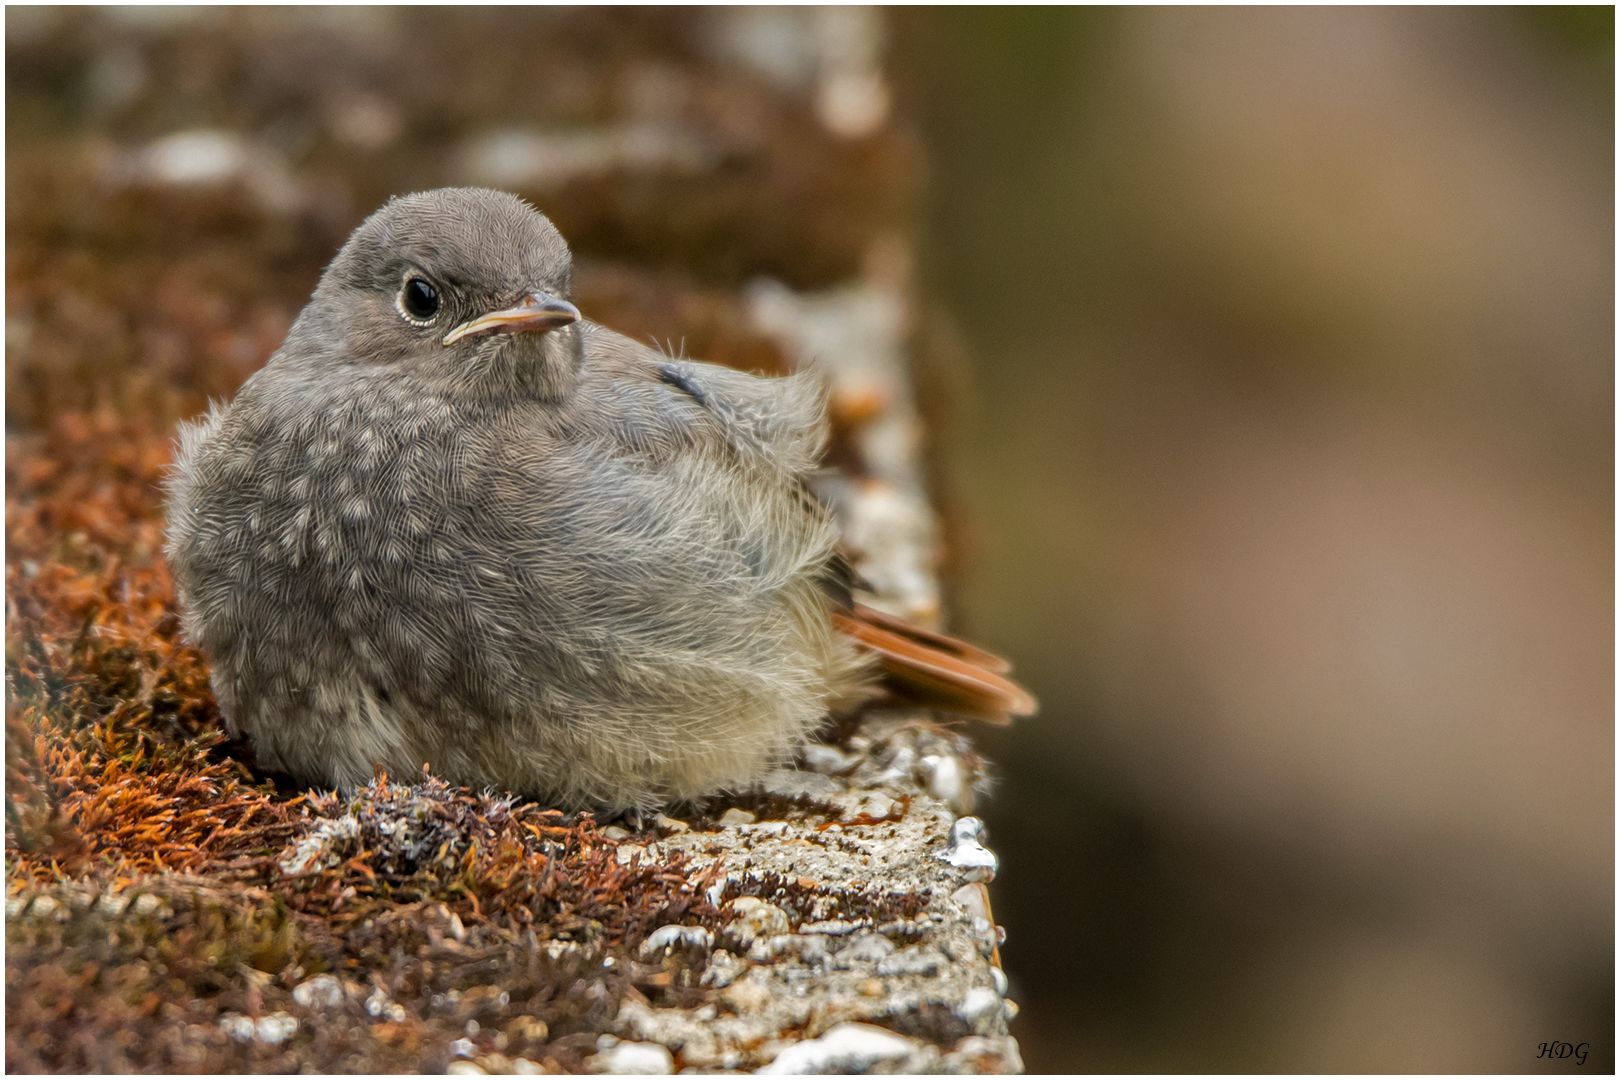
pixel 461 285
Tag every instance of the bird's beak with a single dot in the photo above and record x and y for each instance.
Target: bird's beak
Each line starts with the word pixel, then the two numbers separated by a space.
pixel 538 312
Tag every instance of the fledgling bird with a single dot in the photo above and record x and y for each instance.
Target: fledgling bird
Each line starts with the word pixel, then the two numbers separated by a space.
pixel 453 523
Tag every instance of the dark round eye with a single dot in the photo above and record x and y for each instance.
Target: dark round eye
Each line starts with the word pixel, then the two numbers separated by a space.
pixel 419 300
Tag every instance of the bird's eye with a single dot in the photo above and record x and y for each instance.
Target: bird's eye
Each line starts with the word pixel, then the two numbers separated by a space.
pixel 418 301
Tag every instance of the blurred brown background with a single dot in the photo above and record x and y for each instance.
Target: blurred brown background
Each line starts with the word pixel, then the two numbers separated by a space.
pixel 1278 450
pixel 1290 470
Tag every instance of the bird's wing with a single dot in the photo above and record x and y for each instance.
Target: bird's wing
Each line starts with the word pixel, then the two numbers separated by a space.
pixel 781 422
pixel 776 422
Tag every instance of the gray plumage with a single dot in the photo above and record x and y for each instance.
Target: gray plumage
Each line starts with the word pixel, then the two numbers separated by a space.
pixel 541 556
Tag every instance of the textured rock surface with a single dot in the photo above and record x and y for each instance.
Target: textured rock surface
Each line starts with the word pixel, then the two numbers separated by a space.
pixel 844 900
pixel 841 906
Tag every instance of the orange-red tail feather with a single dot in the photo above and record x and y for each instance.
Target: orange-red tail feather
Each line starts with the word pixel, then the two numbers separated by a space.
pixel 936 669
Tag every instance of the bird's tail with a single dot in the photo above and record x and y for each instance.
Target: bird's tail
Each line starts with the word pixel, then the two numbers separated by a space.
pixel 936 669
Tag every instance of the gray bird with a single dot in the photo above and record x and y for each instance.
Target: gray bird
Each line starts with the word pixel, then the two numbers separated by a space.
pixel 453 523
